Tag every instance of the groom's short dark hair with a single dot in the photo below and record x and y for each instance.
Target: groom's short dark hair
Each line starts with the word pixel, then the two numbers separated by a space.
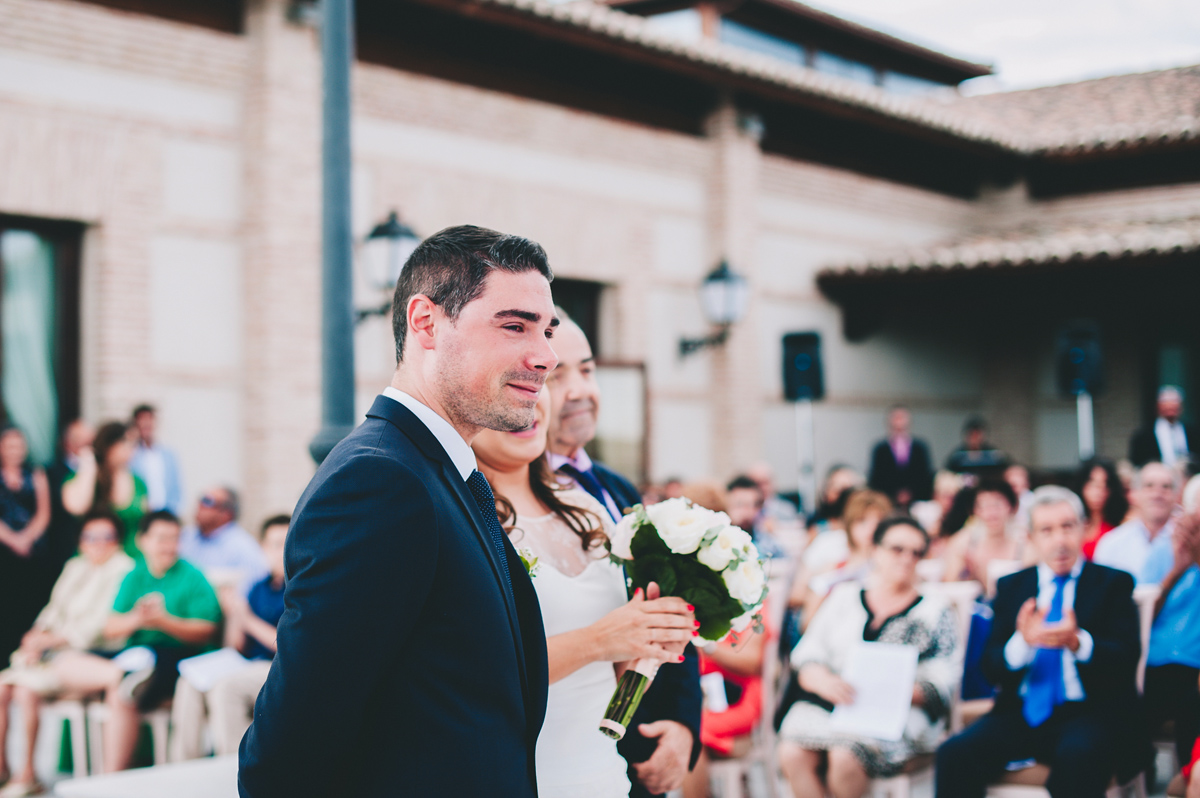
pixel 452 265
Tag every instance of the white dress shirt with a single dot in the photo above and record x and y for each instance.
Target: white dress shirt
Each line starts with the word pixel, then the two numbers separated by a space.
pixel 1172 440
pixel 1019 654
pixel 1127 547
pixel 460 453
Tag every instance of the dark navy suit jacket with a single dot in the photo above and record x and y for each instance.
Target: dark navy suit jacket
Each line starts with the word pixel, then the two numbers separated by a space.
pixel 675 692
pixel 1104 607
pixel 404 667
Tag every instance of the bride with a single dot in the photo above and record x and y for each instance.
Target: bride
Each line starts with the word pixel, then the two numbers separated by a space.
pixel 592 630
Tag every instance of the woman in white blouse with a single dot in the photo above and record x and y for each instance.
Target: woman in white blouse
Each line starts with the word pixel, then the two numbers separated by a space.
pixel 886 609
pixel 73 621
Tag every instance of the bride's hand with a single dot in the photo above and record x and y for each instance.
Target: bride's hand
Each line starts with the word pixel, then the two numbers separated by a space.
pixel 659 628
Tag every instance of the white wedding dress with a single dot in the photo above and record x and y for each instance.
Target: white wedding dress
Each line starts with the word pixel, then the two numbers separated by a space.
pixel 575 589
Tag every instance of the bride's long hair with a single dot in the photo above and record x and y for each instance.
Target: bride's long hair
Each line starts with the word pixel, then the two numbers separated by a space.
pixel 546 487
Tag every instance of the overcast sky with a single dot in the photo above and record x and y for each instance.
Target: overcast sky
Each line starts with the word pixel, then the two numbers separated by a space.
pixel 1041 42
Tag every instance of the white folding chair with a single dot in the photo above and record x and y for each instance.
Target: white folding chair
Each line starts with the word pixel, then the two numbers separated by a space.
pixel 74 711
pixel 159 721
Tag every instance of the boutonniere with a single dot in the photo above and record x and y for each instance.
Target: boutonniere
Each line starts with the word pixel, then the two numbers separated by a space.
pixel 529 561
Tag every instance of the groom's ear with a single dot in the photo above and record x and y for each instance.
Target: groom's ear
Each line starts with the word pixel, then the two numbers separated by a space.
pixel 423 318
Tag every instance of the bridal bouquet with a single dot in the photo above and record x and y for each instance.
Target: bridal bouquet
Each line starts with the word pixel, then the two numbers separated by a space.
pixel 697 555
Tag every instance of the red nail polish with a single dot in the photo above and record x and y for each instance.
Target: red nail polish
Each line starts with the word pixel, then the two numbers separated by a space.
pixel 691 608
pixel 695 634
pixel 637 592
pixel 697 624
pixel 681 658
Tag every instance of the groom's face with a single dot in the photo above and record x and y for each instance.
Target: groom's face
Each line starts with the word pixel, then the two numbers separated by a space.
pixel 493 361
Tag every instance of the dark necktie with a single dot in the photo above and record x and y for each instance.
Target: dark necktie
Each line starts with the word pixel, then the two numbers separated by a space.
pixel 482 493
pixel 1046 689
pixel 587 480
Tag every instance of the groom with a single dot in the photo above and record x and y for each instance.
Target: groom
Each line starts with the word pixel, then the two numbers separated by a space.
pixel 412 657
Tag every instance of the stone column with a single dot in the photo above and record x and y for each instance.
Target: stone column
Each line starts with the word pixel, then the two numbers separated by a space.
pixel 283 257
pixel 732 224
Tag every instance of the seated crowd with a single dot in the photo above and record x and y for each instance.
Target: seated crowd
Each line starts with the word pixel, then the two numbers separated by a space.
pixel 1055 640
pixel 143 594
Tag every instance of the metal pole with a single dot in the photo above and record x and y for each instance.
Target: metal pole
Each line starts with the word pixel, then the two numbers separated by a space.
pixel 337 303
pixel 1087 430
pixel 806 445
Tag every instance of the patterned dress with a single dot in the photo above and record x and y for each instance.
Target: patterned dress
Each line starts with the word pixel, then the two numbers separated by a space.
pixel 841 622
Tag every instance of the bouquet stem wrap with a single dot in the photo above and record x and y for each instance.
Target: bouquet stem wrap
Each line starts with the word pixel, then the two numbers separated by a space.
pixel 631 687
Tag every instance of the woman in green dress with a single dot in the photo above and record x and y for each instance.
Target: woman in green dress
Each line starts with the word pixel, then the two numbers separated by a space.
pixel 104 482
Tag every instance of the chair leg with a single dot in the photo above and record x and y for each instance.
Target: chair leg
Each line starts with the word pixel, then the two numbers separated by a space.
pixel 159 729
pixel 79 753
pixel 95 719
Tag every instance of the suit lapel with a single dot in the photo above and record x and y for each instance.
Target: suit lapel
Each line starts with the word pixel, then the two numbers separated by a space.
pixel 1085 594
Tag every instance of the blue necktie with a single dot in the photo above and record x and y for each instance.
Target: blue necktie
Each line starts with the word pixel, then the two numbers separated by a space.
pixel 481 491
pixel 1046 688
pixel 587 480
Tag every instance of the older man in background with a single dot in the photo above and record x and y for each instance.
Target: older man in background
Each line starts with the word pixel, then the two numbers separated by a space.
pixel 218 545
pixel 663 741
pixel 1155 493
pixel 1167 440
pixel 1063 651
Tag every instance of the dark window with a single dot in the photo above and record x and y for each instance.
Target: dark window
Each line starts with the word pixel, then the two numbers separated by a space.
pixel 581 300
pixel 39 328
pixel 222 15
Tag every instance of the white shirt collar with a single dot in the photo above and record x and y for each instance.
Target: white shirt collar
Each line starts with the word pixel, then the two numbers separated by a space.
pixel 1045 575
pixel 460 453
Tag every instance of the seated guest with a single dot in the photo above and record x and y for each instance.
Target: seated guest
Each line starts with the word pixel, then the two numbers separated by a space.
pixel 164 604
pixel 250 623
pixel 931 514
pixel 1104 498
pixel 839 481
pixel 864 511
pixel 1173 658
pixel 815 757
pixel 1017 477
pixel 72 621
pixel 218 545
pixel 744 505
pixel 104 481
pixel 24 516
pixel 901 465
pixel 775 509
pixel 994 535
pixel 733 669
pixel 1063 652
pixel 1155 491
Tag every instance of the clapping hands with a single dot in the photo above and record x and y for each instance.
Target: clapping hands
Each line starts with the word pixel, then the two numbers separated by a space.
pixel 1031 623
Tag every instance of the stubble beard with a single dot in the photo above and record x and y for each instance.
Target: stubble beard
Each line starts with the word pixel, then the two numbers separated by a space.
pixel 493 410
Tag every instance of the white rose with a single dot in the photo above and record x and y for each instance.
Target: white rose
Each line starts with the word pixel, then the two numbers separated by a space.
pixel 718 554
pixel 745 582
pixel 622 536
pixel 680 525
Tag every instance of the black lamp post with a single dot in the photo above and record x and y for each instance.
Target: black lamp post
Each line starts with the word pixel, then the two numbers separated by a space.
pixel 384 254
pixel 723 297
pixel 337 237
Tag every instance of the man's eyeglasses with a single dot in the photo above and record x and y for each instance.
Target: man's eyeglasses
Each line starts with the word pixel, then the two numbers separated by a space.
pixel 98 537
pixel 901 550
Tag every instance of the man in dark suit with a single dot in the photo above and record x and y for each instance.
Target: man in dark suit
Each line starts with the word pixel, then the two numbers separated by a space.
pixel 1167 440
pixel 663 740
pixel 411 653
pixel 1063 652
pixel 900 465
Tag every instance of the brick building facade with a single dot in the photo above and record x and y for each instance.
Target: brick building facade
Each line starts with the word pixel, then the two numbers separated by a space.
pixel 187 159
